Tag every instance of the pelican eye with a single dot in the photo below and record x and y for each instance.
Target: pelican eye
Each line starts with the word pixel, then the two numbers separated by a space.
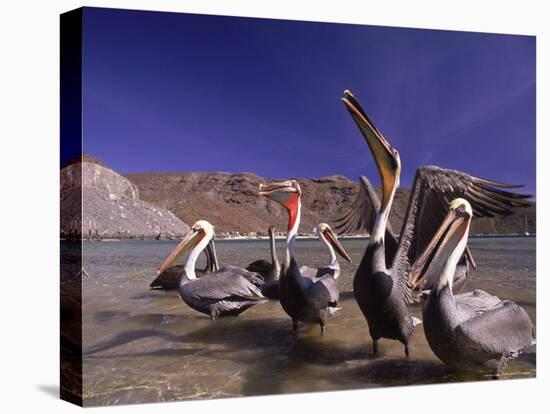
pixel 462 211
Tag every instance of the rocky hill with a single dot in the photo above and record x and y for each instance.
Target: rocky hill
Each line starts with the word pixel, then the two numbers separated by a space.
pixel 98 203
pixel 231 202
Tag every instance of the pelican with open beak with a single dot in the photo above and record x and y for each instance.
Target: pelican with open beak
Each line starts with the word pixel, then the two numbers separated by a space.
pixel 386 157
pixel 288 194
pixel 227 291
pixel 306 300
pixel 377 286
pixel 329 239
pixel 472 331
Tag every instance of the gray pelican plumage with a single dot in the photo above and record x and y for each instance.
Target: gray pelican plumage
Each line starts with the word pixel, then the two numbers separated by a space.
pixel 330 241
pixel 474 331
pixel 269 271
pixel 306 300
pixel 227 291
pixel 170 278
pixel 380 284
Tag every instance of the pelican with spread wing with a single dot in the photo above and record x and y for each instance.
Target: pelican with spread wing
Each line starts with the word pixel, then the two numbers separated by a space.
pixel 381 285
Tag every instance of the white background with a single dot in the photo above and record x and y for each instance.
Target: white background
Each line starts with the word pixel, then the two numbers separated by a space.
pixel 29 139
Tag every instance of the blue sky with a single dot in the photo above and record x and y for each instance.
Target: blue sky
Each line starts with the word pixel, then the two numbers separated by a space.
pixel 182 92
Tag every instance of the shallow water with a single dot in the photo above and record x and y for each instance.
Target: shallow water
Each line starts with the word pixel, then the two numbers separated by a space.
pixel 141 345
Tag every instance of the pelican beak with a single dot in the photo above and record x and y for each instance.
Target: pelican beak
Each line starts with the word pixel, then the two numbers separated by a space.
pixel 285 193
pixel 333 240
pixel 453 229
pixel 385 156
pixel 190 240
pixel 213 257
pixel 470 257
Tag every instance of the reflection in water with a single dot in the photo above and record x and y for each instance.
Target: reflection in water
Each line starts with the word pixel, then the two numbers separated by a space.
pixel 142 345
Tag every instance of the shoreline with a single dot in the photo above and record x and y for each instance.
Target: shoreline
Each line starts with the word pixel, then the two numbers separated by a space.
pixel 264 238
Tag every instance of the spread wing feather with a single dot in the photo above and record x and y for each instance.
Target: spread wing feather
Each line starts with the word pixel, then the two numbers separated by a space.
pixel 362 215
pixel 433 189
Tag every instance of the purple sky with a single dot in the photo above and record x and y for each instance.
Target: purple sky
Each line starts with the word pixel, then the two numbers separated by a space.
pixel 181 92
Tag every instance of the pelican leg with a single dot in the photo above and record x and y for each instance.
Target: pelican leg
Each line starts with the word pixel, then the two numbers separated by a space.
pixel 407 351
pixel 374 346
pixel 213 314
pixel 294 324
pixel 323 320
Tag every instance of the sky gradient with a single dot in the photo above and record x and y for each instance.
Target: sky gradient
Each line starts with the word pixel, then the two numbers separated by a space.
pixel 180 92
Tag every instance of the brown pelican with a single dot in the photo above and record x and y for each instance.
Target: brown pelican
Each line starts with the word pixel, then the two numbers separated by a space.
pixel 303 299
pixel 473 331
pixel 170 278
pixel 329 239
pixel 269 271
pixel 227 291
pixel 380 284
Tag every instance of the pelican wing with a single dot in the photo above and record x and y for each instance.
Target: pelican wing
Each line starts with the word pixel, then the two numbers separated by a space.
pixel 324 292
pixel 474 303
pixel 314 273
pixel 262 267
pixel 433 189
pixel 362 215
pixel 227 284
pixel 254 278
pixel 504 329
pixel 308 271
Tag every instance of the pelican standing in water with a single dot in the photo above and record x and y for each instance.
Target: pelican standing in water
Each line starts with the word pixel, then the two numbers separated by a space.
pixel 269 271
pixel 381 283
pixel 227 291
pixel 474 331
pixel 330 241
pixel 310 301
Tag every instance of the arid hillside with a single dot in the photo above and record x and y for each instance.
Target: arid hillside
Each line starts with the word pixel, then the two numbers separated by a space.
pixel 231 202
